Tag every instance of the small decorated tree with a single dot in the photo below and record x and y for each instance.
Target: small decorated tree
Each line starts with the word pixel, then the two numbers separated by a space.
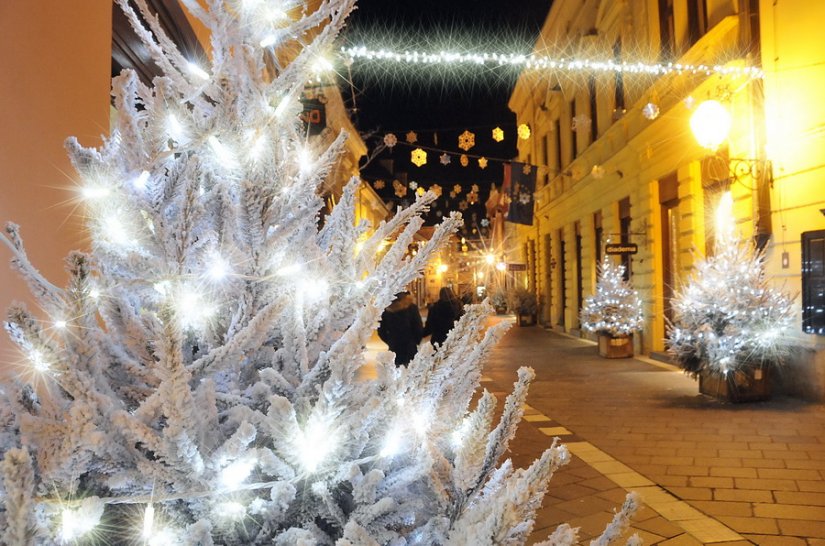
pixel 614 312
pixel 524 305
pixel 728 322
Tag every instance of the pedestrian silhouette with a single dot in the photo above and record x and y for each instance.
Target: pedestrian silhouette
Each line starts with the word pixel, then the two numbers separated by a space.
pixel 401 328
pixel 442 315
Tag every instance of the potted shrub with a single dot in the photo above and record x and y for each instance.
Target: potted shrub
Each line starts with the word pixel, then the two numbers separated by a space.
pixel 614 312
pixel 498 300
pixel 524 305
pixel 728 323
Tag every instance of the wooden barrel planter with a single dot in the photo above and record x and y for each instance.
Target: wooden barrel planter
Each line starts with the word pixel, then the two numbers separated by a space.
pixel 615 346
pixel 746 385
pixel 526 319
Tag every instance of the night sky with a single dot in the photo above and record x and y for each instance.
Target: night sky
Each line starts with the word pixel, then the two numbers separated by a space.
pixel 438 104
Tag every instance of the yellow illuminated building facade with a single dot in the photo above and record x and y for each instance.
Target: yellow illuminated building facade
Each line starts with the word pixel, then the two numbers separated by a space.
pixel 619 162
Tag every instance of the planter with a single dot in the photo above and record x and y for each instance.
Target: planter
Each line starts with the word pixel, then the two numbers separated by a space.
pixel 615 346
pixel 748 385
pixel 501 310
pixel 526 319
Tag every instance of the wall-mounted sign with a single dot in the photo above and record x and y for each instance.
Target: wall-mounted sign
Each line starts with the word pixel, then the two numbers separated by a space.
pixel 621 248
pixel 516 267
pixel 314 116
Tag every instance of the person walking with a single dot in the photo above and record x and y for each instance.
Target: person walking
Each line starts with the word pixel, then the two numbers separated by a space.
pixel 401 328
pixel 442 315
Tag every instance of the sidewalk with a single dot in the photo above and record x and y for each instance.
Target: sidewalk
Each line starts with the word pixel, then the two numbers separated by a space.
pixel 709 473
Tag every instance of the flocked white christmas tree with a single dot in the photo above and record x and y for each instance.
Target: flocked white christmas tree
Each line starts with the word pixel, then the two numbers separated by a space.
pixel 616 308
pixel 727 317
pixel 197 380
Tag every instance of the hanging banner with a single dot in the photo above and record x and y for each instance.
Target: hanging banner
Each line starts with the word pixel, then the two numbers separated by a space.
pixel 522 178
pixel 314 116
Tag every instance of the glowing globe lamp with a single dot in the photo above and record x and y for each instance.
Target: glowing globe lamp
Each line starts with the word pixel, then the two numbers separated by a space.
pixel 710 124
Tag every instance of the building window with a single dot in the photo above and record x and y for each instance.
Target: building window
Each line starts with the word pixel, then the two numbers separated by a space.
pixel 813 282
pixel 618 90
pixel 667 31
pixel 557 137
pixel 545 143
pixel 697 11
pixel 579 272
pixel 599 232
pixel 574 145
pixel 624 231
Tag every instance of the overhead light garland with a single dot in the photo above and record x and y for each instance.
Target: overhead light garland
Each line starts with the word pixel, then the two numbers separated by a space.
pixel 542 62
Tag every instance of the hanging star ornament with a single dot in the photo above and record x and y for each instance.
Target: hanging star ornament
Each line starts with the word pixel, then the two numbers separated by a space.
pixel 457 189
pixel 420 191
pixel 466 140
pixel 464 160
pixel 400 189
pixel 412 137
pixel 390 140
pixel 650 111
pixel 482 162
pixel 418 157
pixel 463 205
pixel 498 134
pixel 379 184
pixel 445 158
pixel 524 131
pixel 527 169
pixel 474 188
pixel 436 189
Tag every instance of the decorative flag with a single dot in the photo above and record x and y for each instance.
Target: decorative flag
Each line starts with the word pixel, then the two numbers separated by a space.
pixel 522 183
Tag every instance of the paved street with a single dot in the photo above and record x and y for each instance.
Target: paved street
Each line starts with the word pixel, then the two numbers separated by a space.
pixel 709 473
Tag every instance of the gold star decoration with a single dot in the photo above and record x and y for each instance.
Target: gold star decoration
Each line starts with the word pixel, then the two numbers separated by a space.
pixel 412 137
pixel 390 140
pixel 482 162
pixel 400 189
pixel 527 169
pixel 498 134
pixel 420 191
pixel 445 158
pixel 466 140
pixel 472 198
pixel 464 160
pixel 418 157
pixel 379 184
pixel 436 189
pixel 524 131
pixel 457 188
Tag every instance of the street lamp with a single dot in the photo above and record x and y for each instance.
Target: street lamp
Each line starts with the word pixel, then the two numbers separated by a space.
pixel 710 123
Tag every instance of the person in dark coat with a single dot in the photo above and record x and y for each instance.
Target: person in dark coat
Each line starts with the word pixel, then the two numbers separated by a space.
pixel 401 328
pixel 442 316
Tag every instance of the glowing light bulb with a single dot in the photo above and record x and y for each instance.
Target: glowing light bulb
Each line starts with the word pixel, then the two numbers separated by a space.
pixel 490 259
pixel 234 474
pixel 197 71
pixel 231 510
pixel 257 147
pixel 218 269
pixel 420 422
pixel 94 293
pixel 193 312
pixel 74 524
pixel 115 231
pixel 314 443
pixel 94 192
pixel 442 268
pixel 501 266
pixel 321 65
pixel 710 123
pixel 148 521
pixel 269 40
pixel 392 443
pixel 289 270
pixel 38 361
pixel 174 128
pixel 140 181
pixel 60 324
pixel 305 162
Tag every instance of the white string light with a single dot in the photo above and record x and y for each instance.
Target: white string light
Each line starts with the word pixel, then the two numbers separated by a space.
pixel 541 62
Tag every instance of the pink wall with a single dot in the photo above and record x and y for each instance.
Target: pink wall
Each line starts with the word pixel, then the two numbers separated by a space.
pixel 54 82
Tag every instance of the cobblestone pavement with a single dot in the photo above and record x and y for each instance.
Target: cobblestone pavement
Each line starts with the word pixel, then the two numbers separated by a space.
pixel 708 472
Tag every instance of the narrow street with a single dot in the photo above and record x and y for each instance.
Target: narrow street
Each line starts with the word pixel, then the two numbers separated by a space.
pixel 708 472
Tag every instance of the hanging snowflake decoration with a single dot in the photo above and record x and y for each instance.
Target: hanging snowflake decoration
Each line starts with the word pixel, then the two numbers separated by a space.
pixel 400 189
pixel 581 123
pixel 650 111
pixel 527 169
pixel 597 172
pixel 420 191
pixel 457 189
pixel 412 137
pixel 482 163
pixel 466 140
pixel 525 198
pixel 474 188
pixel 524 131
pixel 464 160
pixel 390 140
pixel 498 134
pixel 463 205
pixel 445 158
pixel 452 195
pixel 689 102
pixel 379 184
pixel 436 189
pixel 472 198
pixel 418 157
pixel 413 185
pixel 485 222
